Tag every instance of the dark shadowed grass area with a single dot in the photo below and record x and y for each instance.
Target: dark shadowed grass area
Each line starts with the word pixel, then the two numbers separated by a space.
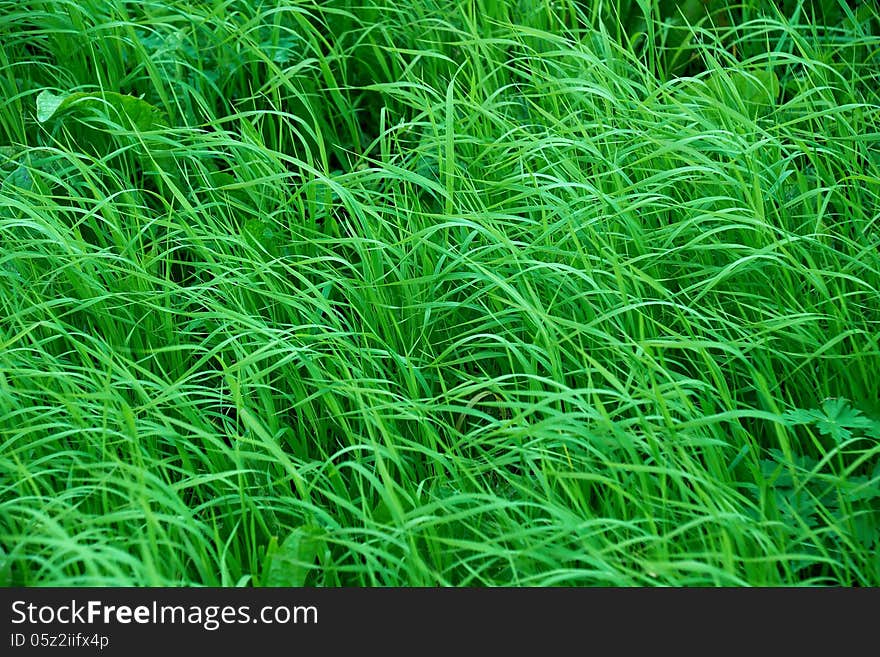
pixel 432 293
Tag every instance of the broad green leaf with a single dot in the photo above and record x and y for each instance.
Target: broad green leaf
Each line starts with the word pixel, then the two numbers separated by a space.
pixel 801 416
pixel 757 90
pixel 261 234
pixel 119 107
pixel 20 178
pixel 226 183
pixel 128 112
pixel 798 507
pixel 13 169
pixel 47 104
pixel 840 418
pixel 776 474
pixel 867 528
pixel 381 513
pixel 837 419
pixel 860 488
pixel 290 563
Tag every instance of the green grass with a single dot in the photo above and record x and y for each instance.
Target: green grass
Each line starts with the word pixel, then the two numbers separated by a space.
pixel 431 293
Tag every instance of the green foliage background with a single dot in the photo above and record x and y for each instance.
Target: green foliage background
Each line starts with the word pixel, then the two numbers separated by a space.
pixel 439 293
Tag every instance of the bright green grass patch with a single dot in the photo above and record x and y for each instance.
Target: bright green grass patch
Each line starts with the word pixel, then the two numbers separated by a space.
pixel 439 294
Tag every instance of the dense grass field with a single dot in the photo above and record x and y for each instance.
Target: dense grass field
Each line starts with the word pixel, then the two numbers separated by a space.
pixel 439 293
